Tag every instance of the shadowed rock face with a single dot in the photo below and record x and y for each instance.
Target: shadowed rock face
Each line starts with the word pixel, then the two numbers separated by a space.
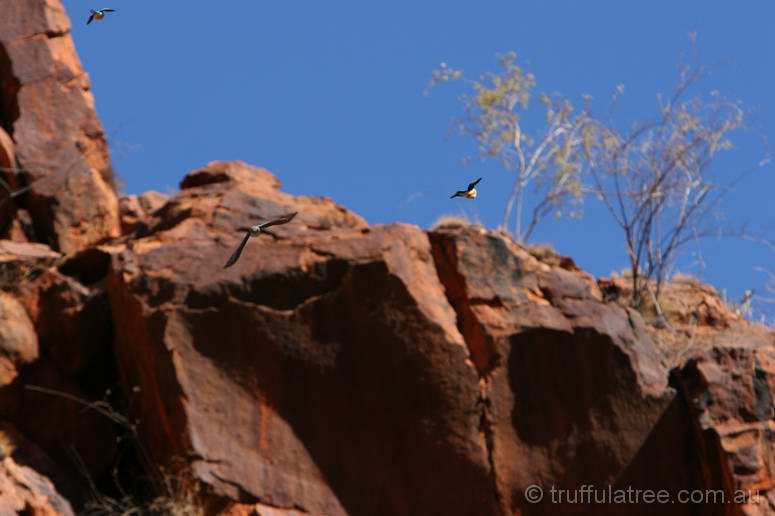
pixel 56 333
pixel 330 358
pixel 48 110
pixel 729 392
pixel 572 387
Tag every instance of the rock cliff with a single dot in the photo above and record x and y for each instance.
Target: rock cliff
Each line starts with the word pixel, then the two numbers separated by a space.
pixel 342 369
pixel 47 110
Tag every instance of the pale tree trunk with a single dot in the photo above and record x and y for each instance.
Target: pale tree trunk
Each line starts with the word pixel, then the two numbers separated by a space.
pixel 518 214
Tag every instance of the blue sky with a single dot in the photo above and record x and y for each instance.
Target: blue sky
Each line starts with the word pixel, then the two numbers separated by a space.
pixel 329 97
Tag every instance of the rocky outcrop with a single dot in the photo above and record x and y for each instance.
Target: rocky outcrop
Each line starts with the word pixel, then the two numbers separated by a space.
pixel 133 209
pixel 341 368
pixel 572 387
pixel 56 333
pixel 48 110
pixel 18 340
pixel 224 196
pixel 730 396
pixel 323 354
pixel 25 485
pixel 479 368
pixel 25 491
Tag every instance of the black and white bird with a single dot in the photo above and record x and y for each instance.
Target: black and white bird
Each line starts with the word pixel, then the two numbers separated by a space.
pixel 257 230
pixel 98 14
pixel 468 193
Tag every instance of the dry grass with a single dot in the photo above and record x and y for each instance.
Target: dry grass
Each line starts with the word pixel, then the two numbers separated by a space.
pixel 450 222
pixel 547 254
pixel 12 274
pixel 181 496
pixel 681 278
pixel 167 493
pixel 688 319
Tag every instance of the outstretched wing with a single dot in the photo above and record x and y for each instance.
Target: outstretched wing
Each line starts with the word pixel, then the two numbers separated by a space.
pixel 91 19
pixel 271 234
pixel 279 220
pixel 459 193
pixel 234 257
pixel 473 185
pixel 108 10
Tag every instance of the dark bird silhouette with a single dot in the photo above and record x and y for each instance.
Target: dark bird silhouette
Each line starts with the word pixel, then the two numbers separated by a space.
pixel 468 193
pixel 257 230
pixel 98 14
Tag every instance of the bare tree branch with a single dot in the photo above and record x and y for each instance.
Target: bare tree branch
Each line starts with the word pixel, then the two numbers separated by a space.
pixel 659 181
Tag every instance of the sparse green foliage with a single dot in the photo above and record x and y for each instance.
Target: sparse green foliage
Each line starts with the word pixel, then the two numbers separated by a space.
pixel 658 178
pixel 551 161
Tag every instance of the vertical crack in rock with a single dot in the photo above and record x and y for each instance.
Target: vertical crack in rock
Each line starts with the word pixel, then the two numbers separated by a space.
pixel 480 347
pixel 9 92
pixel 486 428
pixel 710 460
pixel 764 404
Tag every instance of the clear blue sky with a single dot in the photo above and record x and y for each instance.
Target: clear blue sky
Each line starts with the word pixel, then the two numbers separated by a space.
pixel 329 97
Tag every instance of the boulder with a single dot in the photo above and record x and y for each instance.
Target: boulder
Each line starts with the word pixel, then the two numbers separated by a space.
pixel 25 491
pixel 729 392
pixel 228 195
pixel 134 209
pixel 18 341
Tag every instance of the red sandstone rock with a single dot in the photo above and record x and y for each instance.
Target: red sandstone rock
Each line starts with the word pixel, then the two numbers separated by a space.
pixel 572 388
pixel 69 352
pixel 48 110
pixel 342 369
pixel 134 209
pixel 729 391
pixel 8 180
pixel 21 253
pixel 331 360
pixel 336 352
pixel 18 341
pixel 7 156
pixel 231 194
pixel 24 491
pixel 130 213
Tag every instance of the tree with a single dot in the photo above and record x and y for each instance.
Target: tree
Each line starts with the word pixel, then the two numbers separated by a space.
pixel 552 162
pixel 660 180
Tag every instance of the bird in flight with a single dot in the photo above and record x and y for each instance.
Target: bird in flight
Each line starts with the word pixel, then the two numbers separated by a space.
pixel 257 230
pixel 468 193
pixel 98 14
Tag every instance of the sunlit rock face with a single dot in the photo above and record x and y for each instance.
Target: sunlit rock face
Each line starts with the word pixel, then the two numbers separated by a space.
pixel 47 109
